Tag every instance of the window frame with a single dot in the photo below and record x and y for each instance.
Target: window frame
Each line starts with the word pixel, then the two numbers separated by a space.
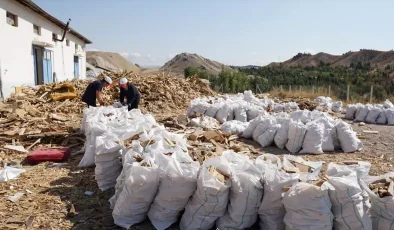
pixel 14 18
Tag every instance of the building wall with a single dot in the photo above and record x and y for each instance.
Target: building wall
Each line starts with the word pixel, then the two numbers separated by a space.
pixel 16 56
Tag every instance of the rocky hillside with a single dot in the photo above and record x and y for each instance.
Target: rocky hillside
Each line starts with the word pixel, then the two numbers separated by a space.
pixel 183 60
pixel 110 61
pixel 378 59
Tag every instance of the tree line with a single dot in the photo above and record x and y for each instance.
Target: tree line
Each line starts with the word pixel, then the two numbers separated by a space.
pixel 360 77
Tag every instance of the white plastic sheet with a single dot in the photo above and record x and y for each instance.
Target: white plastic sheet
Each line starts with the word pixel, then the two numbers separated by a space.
pixel 10 173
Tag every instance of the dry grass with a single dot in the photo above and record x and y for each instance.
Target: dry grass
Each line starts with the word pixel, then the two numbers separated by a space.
pixel 295 94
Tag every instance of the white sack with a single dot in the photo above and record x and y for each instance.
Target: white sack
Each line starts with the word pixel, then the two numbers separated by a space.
pixel 271 210
pixel 347 138
pixel 240 113
pixel 223 113
pixel 254 111
pixel 234 127
pixel 387 104
pixel 279 108
pixel 382 119
pixel 296 136
pixel 177 185
pixel 307 207
pixel 329 134
pixel 350 112
pixel 210 200
pixel 362 115
pixel 268 160
pixel 267 138
pixel 390 116
pixel 263 126
pixel 248 132
pixel 313 138
pixel 282 134
pixel 204 122
pixel 136 197
pixel 382 209
pixel 373 115
pixel 336 106
pixel 212 110
pixel 246 192
pixel 347 202
pixel 301 115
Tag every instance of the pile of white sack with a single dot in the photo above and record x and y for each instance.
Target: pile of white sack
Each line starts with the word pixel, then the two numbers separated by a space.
pixel 302 131
pixel 157 179
pixel 105 129
pixel 327 103
pixel 375 114
pixel 241 107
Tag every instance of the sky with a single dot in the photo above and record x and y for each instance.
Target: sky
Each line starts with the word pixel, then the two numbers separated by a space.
pixel 233 32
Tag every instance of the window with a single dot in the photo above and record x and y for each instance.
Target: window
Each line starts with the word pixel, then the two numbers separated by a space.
pixel 12 19
pixel 54 37
pixel 37 29
pixel 76 46
pixel 67 42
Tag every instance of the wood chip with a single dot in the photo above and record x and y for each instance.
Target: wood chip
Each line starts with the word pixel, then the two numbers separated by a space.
pixel 217 174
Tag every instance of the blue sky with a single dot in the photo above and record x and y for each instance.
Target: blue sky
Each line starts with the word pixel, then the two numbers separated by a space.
pixel 234 32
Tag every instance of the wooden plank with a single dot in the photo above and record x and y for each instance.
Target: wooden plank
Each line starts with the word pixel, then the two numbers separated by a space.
pixel 372 132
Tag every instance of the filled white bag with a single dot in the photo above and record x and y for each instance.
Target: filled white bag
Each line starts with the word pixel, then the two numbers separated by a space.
pixel 234 127
pixel 246 192
pixel 140 188
pixel 223 113
pixel 263 126
pixel 279 108
pixel 350 111
pixel 307 207
pixel 198 105
pixel 248 132
pixel 390 116
pixel 212 110
pixel 301 115
pixel 387 104
pixel 382 119
pixel 254 111
pixel 268 160
pixel 313 138
pixel 373 115
pixel 296 136
pixel 336 107
pixel 210 200
pixel 97 129
pixel 329 134
pixel 240 112
pixel 282 134
pixel 363 113
pixel 267 138
pixel 177 184
pixel 347 202
pixel 382 209
pixel 271 210
pixel 347 138
pixel 204 122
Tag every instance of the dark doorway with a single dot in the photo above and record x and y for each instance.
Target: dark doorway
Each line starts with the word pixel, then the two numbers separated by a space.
pixel 38 65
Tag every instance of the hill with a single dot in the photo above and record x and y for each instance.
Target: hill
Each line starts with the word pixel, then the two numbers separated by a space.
pixel 377 59
pixel 110 61
pixel 178 64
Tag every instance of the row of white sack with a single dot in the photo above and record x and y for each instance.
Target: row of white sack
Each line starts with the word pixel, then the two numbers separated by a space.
pixel 311 132
pixel 374 114
pixel 340 203
pixel 327 103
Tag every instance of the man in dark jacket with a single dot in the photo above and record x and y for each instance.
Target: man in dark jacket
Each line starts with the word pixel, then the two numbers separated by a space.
pixel 93 91
pixel 128 90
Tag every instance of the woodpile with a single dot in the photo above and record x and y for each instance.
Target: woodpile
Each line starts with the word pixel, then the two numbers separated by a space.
pixel 31 117
pixel 383 187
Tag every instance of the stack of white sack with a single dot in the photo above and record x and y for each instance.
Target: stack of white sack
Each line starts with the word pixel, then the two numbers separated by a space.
pixel 349 200
pixel 246 193
pixel 155 165
pixel 234 127
pixel 325 102
pixel 375 114
pixel 210 200
pixel 382 208
pixel 303 131
pixel 278 175
pixel 204 122
pixel 96 121
pixel 240 107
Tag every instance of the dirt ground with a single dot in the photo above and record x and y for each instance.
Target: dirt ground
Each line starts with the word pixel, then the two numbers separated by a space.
pixel 57 199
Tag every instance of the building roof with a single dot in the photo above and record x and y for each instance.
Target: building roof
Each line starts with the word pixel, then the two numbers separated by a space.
pixel 32 6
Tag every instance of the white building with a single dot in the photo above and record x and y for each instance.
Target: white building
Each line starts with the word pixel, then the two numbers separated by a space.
pixel 29 54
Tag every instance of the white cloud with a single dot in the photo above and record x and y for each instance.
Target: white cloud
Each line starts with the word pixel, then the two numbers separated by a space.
pixel 124 54
pixel 136 55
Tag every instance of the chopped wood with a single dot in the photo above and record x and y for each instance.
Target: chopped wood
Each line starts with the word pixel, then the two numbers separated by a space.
pixel 220 176
pixel 31 146
pixel 383 187
pixel 372 132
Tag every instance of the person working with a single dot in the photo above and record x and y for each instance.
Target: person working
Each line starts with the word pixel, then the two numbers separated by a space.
pixel 128 90
pixel 93 91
